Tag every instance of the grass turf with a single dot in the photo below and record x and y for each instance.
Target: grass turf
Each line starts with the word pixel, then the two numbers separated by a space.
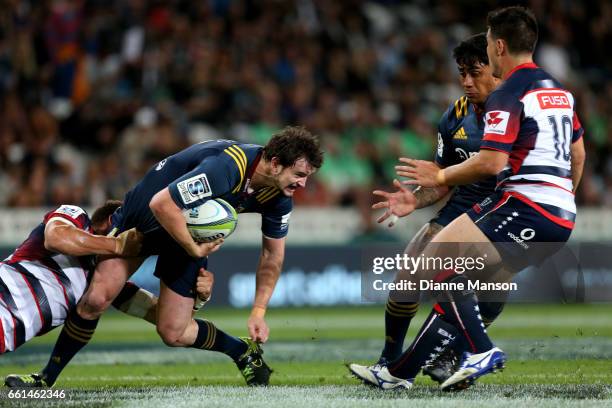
pixel 558 355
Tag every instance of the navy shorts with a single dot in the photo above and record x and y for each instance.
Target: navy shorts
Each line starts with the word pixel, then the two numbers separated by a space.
pixel 174 266
pixel 525 233
pixel 458 203
pixel 178 270
pixel 449 212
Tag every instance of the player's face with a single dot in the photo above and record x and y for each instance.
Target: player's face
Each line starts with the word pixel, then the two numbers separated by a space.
pixel 477 82
pixel 492 53
pixel 291 178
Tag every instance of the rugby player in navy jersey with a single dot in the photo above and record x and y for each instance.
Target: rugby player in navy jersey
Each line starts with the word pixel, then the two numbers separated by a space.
pixel 459 136
pixel 252 178
pixel 533 142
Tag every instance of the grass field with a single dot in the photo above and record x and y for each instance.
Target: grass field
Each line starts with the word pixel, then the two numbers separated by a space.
pixel 558 356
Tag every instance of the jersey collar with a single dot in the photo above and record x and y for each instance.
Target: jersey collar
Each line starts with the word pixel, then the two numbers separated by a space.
pixel 250 171
pixel 527 65
pixel 477 110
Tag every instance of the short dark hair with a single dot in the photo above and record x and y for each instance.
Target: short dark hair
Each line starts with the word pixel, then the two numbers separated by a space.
pixel 516 25
pixel 293 143
pixel 102 213
pixel 472 51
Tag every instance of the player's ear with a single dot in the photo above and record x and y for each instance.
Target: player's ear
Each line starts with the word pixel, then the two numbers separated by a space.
pixel 276 166
pixel 106 226
pixel 501 47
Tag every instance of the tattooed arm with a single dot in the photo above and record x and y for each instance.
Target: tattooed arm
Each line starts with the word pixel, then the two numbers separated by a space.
pixel 426 196
pixel 403 202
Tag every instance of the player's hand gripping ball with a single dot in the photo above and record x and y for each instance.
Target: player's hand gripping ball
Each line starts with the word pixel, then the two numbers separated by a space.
pixel 212 220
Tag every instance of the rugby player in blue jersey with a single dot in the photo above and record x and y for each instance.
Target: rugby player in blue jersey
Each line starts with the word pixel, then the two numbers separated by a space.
pixel 460 132
pixel 252 178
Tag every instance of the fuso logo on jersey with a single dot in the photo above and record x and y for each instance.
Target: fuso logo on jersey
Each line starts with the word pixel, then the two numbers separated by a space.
pixel 496 122
pixel 550 100
pixel 194 188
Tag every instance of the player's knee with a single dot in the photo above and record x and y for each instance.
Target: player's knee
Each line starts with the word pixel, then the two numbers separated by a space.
pixel 171 335
pixel 422 238
pixel 93 304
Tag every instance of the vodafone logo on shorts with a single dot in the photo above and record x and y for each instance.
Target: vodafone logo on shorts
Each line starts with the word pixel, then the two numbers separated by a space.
pixel 496 122
pixel 527 234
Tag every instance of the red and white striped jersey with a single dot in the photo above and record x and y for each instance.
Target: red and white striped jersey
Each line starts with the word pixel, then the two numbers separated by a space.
pixel 37 286
pixel 532 118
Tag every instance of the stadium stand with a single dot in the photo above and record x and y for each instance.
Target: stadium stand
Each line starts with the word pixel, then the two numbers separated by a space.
pixel 94 92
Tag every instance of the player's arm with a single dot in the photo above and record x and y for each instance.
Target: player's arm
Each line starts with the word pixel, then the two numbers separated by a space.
pixel 426 196
pixel 484 164
pixel 578 159
pixel 170 217
pixel 64 237
pixel 427 174
pixel 578 153
pixel 268 272
pixel 502 123
pixel 403 202
pixel 214 177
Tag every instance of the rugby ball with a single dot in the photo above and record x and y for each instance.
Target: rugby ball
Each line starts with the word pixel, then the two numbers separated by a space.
pixel 214 219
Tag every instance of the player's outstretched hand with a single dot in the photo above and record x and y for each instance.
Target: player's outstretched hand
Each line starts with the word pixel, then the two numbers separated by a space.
pixel 398 204
pixel 128 243
pixel 204 284
pixel 258 328
pixel 422 172
pixel 200 250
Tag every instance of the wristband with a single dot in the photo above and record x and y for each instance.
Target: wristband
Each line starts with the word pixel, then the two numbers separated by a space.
pixel 199 303
pixel 440 178
pixel 119 245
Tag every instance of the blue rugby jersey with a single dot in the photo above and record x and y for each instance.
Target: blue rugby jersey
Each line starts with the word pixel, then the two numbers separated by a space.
pixel 460 131
pixel 213 169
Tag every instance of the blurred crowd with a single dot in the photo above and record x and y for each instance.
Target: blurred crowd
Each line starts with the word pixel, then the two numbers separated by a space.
pixel 93 92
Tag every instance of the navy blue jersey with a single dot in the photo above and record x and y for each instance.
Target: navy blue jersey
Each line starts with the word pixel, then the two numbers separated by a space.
pixel 460 133
pixel 214 169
